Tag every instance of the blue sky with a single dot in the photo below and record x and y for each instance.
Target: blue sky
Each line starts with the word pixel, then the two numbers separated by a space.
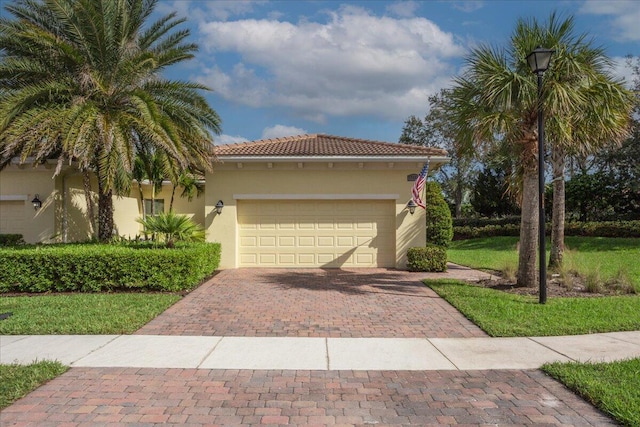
pixel 358 68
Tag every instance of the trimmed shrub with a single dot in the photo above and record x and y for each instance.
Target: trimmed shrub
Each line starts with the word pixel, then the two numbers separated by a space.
pixel 587 229
pixel 439 225
pixel 11 239
pixel 428 258
pixel 95 267
pixel 482 222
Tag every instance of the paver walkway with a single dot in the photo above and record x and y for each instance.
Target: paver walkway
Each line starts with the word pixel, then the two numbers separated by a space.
pixel 354 303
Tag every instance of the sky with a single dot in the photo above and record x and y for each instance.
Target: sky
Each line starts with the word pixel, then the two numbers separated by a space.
pixel 358 68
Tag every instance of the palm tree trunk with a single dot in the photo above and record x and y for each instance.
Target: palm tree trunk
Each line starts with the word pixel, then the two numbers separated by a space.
pixel 458 197
pixel 557 226
pixel 105 213
pixel 527 273
pixel 86 182
pixel 173 193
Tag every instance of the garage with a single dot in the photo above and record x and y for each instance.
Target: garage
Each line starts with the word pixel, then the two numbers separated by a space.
pixel 316 233
pixel 12 216
pixel 316 201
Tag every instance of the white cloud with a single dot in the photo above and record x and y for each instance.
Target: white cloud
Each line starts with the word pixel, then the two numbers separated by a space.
pixel 355 63
pixel 468 5
pixel 218 9
pixel 404 9
pixel 625 15
pixel 622 70
pixel 279 131
pixel 228 139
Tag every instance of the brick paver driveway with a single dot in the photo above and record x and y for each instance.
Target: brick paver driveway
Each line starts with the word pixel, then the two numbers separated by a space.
pixel 149 397
pixel 331 303
pixel 314 303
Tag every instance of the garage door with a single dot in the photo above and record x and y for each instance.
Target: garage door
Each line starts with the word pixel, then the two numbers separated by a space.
pixel 316 233
pixel 12 216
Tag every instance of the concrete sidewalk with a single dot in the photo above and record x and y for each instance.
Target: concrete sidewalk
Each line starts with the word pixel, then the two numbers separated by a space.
pixel 374 354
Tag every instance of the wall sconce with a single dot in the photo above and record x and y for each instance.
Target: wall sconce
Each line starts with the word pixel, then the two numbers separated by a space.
pixel 412 206
pixel 219 207
pixel 36 202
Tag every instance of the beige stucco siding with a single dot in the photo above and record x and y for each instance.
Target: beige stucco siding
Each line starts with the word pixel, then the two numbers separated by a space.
pixel 126 209
pixel 18 186
pixel 63 216
pixel 232 183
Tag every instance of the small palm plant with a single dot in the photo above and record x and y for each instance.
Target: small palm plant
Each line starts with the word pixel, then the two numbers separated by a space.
pixel 169 228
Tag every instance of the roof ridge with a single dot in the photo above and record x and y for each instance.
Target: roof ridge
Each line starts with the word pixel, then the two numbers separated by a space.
pixel 324 144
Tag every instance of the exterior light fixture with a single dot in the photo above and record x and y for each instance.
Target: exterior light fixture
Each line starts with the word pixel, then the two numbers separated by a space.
pixel 219 207
pixel 539 61
pixel 412 206
pixel 36 202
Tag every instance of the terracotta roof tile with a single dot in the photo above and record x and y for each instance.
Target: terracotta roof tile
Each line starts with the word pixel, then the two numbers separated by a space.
pixel 323 145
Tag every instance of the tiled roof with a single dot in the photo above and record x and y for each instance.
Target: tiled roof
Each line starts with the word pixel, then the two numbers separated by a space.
pixel 324 145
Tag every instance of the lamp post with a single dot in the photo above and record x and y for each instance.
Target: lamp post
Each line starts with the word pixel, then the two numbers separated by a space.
pixel 539 62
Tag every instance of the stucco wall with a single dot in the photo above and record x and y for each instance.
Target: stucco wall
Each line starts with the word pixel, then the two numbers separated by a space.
pixel 231 181
pixel 63 216
pixel 126 208
pixel 18 186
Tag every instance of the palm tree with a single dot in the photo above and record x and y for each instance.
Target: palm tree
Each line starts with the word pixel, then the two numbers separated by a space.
pixel 83 78
pixel 191 186
pixel 496 100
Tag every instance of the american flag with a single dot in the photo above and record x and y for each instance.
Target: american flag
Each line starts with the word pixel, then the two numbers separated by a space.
pixel 418 186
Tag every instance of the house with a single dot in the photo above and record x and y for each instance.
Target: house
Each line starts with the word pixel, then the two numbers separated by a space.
pixel 302 201
pixel 316 201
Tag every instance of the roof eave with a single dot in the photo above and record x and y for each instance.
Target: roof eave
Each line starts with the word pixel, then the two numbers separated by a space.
pixel 372 159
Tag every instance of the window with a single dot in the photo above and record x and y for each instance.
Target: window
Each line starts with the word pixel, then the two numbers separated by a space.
pixel 158 205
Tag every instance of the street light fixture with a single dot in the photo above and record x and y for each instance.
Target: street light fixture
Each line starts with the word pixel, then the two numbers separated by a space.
pixel 539 62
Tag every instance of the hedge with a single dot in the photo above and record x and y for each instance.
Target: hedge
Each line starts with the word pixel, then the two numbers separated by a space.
pixel 11 239
pixel 587 229
pixel 96 267
pixel 483 222
pixel 428 258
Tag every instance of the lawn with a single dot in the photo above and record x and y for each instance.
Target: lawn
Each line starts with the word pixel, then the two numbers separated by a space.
pixel 613 387
pixel 81 314
pixel 502 314
pixel 17 381
pixel 608 256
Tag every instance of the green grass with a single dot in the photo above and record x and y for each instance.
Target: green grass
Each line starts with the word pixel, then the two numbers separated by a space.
pixel 609 256
pixel 501 314
pixel 118 313
pixel 17 381
pixel 613 387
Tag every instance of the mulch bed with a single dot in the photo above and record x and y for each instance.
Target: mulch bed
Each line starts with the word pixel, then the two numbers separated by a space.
pixel 555 287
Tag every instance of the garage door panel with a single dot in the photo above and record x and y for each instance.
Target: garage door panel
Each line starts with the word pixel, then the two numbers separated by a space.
pixel 320 233
pixel 12 217
pixel 286 241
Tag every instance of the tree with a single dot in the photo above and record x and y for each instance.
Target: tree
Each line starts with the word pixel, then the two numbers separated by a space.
pixel 437 130
pixel 490 196
pixel 191 186
pixel 413 133
pixel 596 115
pixel 456 176
pixel 496 100
pixel 81 80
